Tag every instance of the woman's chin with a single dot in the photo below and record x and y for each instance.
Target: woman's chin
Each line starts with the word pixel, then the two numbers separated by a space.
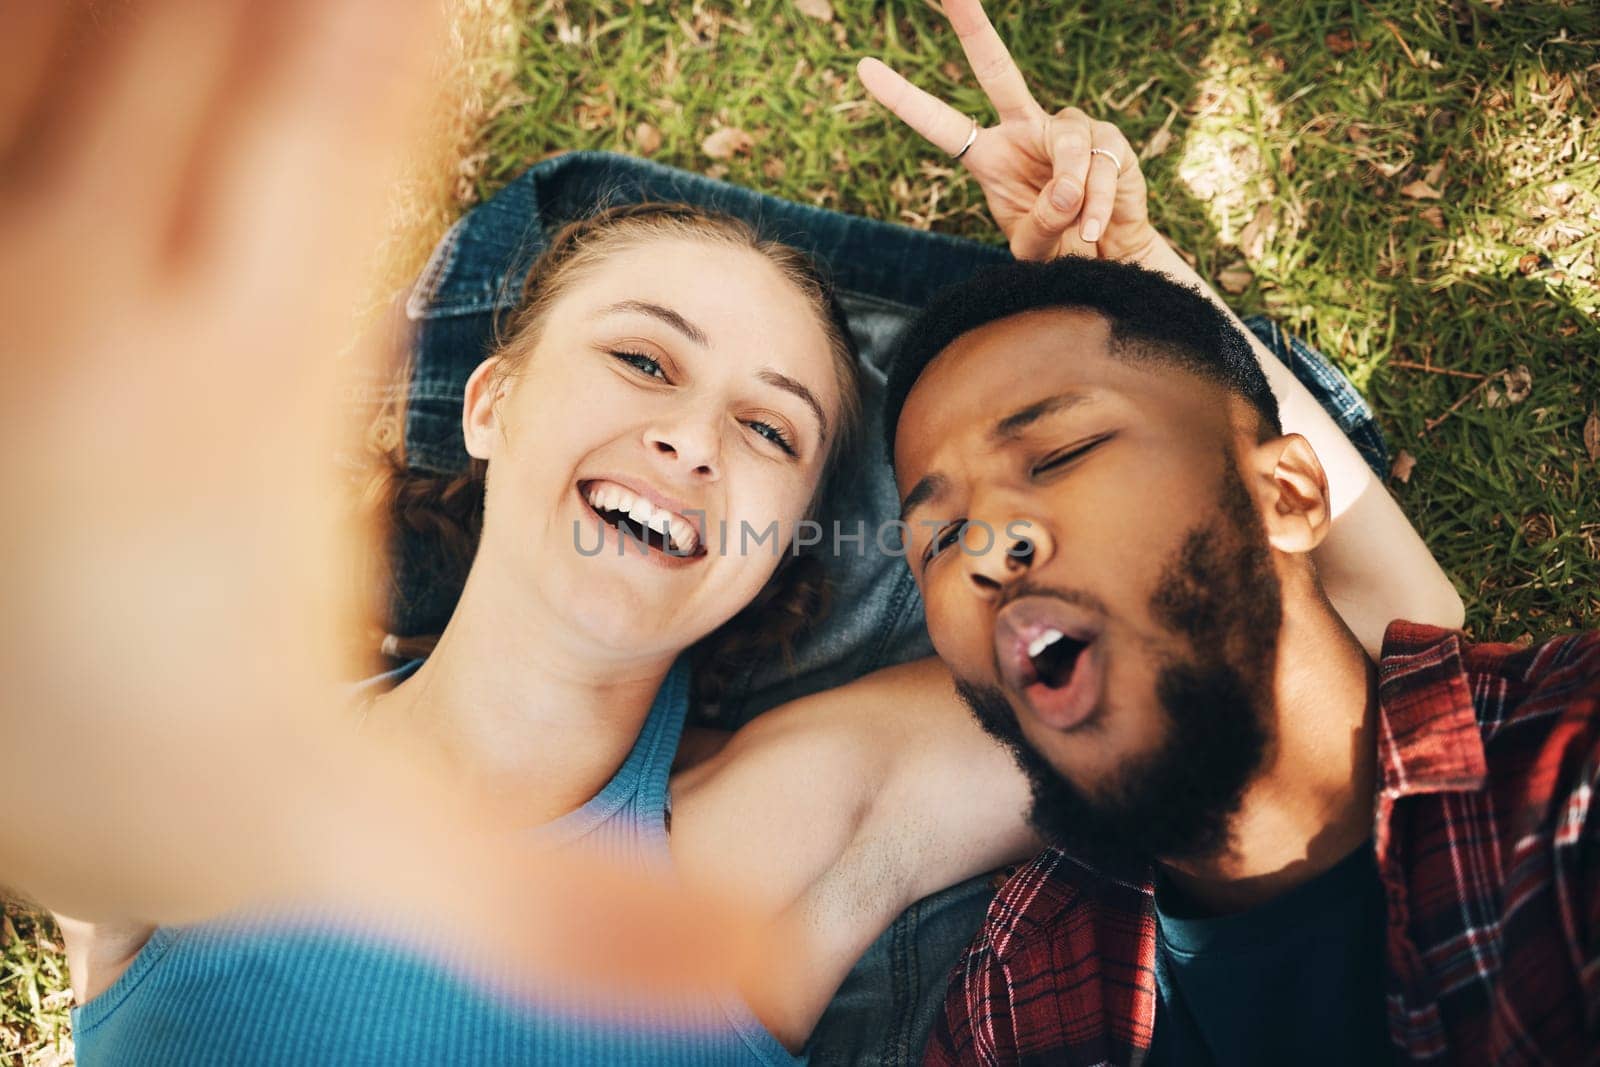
pixel 625 613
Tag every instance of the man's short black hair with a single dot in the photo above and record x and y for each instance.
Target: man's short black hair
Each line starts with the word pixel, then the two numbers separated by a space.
pixel 1151 317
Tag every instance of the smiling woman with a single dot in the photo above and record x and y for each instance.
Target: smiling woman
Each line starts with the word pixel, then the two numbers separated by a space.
pixel 616 349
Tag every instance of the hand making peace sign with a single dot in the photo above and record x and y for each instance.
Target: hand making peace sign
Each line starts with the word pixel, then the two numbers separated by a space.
pixel 1059 184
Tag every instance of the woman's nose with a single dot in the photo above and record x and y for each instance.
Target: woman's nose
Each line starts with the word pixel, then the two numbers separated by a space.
pixel 691 448
pixel 995 557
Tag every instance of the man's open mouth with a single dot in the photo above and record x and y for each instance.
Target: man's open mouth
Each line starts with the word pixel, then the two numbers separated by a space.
pixel 1053 655
pixel 1046 652
pixel 647 523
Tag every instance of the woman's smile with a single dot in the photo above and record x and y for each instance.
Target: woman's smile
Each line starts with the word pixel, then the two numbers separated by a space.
pixel 633 518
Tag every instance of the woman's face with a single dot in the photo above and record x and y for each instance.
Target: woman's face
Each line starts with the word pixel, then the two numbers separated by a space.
pixel 684 388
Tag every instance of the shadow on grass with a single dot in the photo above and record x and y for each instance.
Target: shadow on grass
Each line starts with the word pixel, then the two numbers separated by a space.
pixel 1283 146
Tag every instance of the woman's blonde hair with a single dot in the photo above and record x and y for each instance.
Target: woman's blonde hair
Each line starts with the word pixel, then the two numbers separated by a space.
pixel 437 519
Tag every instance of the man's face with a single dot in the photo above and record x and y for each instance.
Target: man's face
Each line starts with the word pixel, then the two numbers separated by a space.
pixel 1119 631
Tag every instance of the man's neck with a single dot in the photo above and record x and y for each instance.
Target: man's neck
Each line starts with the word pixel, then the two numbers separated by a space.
pixel 1312 803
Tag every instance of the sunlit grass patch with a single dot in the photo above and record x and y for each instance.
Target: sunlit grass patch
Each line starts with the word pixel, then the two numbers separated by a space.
pixel 34 996
pixel 1410 185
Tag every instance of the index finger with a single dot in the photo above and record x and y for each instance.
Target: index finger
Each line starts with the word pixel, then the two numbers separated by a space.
pixel 990 61
pixel 942 125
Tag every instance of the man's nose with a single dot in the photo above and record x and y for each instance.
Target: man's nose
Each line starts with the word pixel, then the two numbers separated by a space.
pixel 996 556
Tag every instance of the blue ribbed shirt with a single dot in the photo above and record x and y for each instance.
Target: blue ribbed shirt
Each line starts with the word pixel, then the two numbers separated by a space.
pixel 313 991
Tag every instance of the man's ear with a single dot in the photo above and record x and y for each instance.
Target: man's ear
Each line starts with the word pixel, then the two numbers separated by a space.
pixel 1289 474
pixel 480 409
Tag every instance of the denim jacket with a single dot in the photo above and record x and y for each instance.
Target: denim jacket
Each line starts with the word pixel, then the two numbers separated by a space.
pixel 884 274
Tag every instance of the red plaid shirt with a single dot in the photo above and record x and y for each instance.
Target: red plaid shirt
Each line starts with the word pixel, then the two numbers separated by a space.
pixel 1488 843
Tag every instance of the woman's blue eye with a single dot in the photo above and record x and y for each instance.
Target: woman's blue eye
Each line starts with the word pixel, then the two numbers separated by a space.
pixel 642 363
pixel 773 434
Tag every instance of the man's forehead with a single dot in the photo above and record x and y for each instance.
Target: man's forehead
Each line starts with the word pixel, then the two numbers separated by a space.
pixel 1041 333
pixel 1052 359
pixel 1002 367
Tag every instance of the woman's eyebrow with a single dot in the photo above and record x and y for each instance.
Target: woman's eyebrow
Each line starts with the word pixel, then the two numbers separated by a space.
pixel 790 385
pixel 664 314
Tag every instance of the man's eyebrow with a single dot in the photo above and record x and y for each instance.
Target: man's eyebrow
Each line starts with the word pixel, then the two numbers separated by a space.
pixel 664 314
pixel 1012 425
pixel 930 488
pixel 790 385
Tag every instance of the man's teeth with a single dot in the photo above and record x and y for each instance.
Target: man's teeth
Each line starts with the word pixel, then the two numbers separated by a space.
pixel 1044 641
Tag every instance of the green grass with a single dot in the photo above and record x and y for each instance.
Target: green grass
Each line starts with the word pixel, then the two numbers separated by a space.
pixel 34 997
pixel 1307 120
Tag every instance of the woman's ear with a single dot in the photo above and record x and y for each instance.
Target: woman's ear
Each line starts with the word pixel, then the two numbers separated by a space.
pixel 480 409
pixel 1296 515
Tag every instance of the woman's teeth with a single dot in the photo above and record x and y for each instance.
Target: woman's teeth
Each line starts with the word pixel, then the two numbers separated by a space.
pixel 678 531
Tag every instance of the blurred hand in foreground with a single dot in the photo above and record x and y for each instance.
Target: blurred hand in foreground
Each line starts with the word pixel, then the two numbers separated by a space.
pixel 189 195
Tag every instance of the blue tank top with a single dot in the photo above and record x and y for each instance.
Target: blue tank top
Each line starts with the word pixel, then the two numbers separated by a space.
pixel 313 993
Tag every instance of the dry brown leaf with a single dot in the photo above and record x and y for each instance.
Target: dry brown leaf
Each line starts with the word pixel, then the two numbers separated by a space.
pixel 1538 529
pixel 952 70
pixel 1433 216
pixel 1235 278
pixel 727 143
pixel 1591 436
pixel 647 139
pixel 1159 142
pixel 1518 382
pixel 1253 238
pixel 717 171
pixel 1510 386
pixel 594 114
pixel 1420 190
pixel 1434 174
pixel 1404 464
pixel 773 167
pixel 1340 42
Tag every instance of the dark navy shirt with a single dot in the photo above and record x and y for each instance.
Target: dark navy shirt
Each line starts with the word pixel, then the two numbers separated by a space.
pixel 1298 979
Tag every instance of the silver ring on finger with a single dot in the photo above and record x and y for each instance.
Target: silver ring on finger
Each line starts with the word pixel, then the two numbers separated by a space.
pixel 971 137
pixel 1115 162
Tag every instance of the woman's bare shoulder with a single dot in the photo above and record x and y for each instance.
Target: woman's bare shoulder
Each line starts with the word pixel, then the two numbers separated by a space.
pixel 99 952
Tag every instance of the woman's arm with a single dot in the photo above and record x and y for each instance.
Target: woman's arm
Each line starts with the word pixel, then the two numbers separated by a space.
pixel 1373 564
pixel 1065 185
pixel 835 812
pixel 192 195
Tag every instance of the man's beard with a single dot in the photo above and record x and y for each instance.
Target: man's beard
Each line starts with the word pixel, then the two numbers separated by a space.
pixel 1220 597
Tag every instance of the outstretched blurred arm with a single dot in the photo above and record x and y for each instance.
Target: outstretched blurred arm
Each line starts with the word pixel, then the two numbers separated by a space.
pixel 189 195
